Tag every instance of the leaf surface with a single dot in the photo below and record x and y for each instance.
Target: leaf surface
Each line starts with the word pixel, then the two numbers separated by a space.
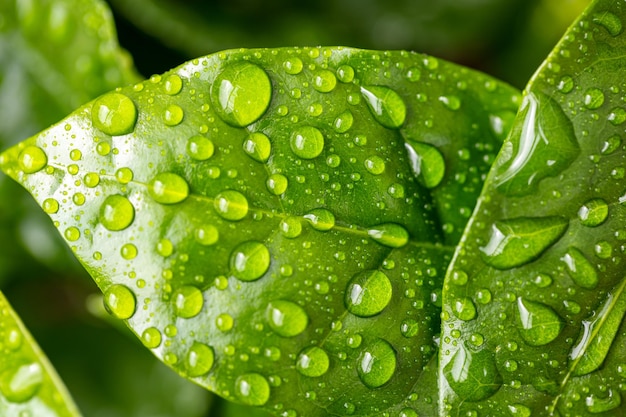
pixel 275 224
pixel 538 317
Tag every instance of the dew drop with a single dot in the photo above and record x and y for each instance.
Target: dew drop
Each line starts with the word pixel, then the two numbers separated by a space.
pixel 313 362
pixel 599 405
pixel 151 337
pixel 345 73
pixel 241 93
pixel 120 301
pixel 173 115
pixel 257 145
pixel 611 145
pixel 580 269
pixel 206 235
pixel 617 116
pixel 293 65
pixel 286 319
pixel 50 205
pixel 291 227
pixel 128 251
pixel 250 261
pixel 116 212
pixel 114 114
pixel 389 234
pixel 199 360
pixel 321 219
pixel 594 212
pixel 124 175
pixel 32 159
pixel 538 324
pixel 376 364
pixel 464 309
pixel 277 184
pixel 20 383
pixel 375 165
pixel 172 84
pixel 426 162
pixel 307 142
pixel 409 328
pixel 473 375
pixel 386 105
pixel 514 242
pixel 165 247
pixel 224 322
pixel 231 205
pixel 252 389
pixel 451 102
pixel 593 99
pixel 91 179
pixel 368 293
pixel 565 84
pixel 324 81
pixel 519 410
pixel 188 301
pixel 609 21
pixel 200 148
pixel 168 188
pixel 343 122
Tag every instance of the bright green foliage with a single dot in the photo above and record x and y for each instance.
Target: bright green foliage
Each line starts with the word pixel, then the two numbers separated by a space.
pixel 28 384
pixel 268 220
pixel 546 245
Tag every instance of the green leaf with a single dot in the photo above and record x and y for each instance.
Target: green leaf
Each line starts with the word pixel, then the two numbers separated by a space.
pixel 542 256
pixel 28 383
pixel 275 224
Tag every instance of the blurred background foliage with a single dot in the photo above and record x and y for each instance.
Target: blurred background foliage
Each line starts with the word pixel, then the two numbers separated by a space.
pixel 58 54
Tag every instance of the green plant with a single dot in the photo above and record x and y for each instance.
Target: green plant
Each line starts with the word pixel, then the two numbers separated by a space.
pixel 338 231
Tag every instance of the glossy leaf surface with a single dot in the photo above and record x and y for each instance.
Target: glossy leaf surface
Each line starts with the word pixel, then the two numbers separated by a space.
pixel 275 224
pixel 543 254
pixel 28 383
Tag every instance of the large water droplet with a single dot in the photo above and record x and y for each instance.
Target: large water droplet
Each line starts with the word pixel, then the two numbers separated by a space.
pixel 277 184
pixel 114 114
pixel 609 21
pixel 120 301
pixel 252 389
pixel 543 144
pixel 20 383
pixel 200 148
pixel 593 99
pixel 168 188
pixel 389 234
pixel 241 93
pixel 188 301
pixel 594 212
pixel 172 84
pixel 473 375
pixel 343 122
pixel 307 142
pixel 538 324
pixel 324 81
pixel 199 361
pixel 313 362
pixel 368 293
pixel 375 165
pixel 514 242
pixel 427 163
pixel 258 146
pixel 386 105
pixel 151 337
pixel 464 308
pixel 249 261
pixel 376 364
pixel 231 205
pixel 286 319
pixel 116 212
pixel 32 159
pixel 321 219
pixel 599 405
pixel 580 269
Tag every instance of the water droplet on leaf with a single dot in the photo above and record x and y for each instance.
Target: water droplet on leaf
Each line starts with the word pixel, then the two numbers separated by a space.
pixel 473 375
pixel 120 301
pixel 188 301
pixel 307 142
pixel 249 261
pixel 286 319
pixel 376 364
pixel 114 114
pixel 386 105
pixel 32 159
pixel 368 293
pixel 538 324
pixel 313 362
pixel 231 205
pixel 389 234
pixel 252 389
pixel 116 212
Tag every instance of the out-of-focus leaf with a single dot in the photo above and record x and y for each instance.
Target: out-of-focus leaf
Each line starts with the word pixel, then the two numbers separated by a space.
pixel 274 224
pixel 534 300
pixel 29 386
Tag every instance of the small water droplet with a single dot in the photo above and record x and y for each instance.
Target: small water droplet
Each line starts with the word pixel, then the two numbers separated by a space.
pixel 116 212
pixel 409 328
pixel 258 146
pixel 252 389
pixel 368 293
pixel 172 84
pixel 464 308
pixel 472 375
pixel 538 324
pixel 250 261
pixel 389 234
pixel 200 359
pixel 20 383
pixel 286 319
pixel 50 205
pixel 128 251
pixel 168 188
pixel 277 184
pixel 376 364
pixel 313 362
pixel 427 163
pixel 293 65
pixel 519 410
pixel 451 102
pixel 542 280
pixel 91 179
pixel 241 93
pixel 224 322
pixel 291 227
pixel 617 116
pixel 324 81
pixel 151 337
pixel 345 73
pixel 594 212
pixel 343 122
pixel 375 165
pixel 231 205
pixel 386 105
pixel 514 242
pixel 200 148
pixel 164 247
pixel 120 301
pixel 188 301
pixel 114 114
pixel 307 142
pixel 321 219
pixel 580 269
pixel 173 115
pixel 206 235
pixel 32 159
pixel 609 21
pixel 593 99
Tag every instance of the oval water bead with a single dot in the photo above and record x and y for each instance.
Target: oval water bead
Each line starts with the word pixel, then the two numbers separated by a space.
pixel 376 364
pixel 277 184
pixel 345 73
pixel 199 360
pixel 151 337
pixel 231 205
pixel 473 375
pixel 427 163
pixel 313 362
pixel 124 175
pixel 389 234
pixel 116 212
pixel 307 142
pixel 291 227
pixel 582 272
pixel 252 389
pixel 537 323
pixel 321 219
pixel 258 146
pixel 206 235
pixel 200 148
pixel 114 114
pixel 368 293
pixel 188 301
pixel 172 84
pixel 128 251
pixel 375 165
pixel 293 65
pixel 32 159
pixel 324 81
pixel 593 99
pixel 19 383
pixel 343 122
pixel 50 205
pixel 594 212
pixel 608 21
pixel 173 115
pixel 249 261
pixel 285 318
pixel 464 309
pixel 224 322
pixel 91 179
pixel 241 93
pixel 168 188
pixel 386 105
pixel 120 301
